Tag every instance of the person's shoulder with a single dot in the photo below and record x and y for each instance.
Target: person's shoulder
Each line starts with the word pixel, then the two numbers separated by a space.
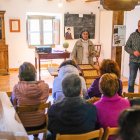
pixel 133 33
pixel 78 42
pixel 90 42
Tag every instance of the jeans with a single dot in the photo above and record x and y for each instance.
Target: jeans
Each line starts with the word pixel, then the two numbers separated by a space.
pixel 133 69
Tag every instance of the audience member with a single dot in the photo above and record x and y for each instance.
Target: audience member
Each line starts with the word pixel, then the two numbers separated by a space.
pixel 111 104
pixel 72 115
pixel 84 50
pixel 28 91
pixel 129 124
pixel 107 66
pixel 67 67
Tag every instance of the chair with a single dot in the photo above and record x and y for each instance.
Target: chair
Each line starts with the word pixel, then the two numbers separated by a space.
pixel 110 131
pixel 31 108
pixel 98 50
pixel 85 136
pixel 131 95
pixel 93 100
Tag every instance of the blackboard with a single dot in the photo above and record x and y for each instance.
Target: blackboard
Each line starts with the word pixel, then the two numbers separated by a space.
pixel 87 21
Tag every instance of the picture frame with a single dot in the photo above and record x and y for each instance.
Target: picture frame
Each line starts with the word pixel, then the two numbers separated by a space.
pixel 14 25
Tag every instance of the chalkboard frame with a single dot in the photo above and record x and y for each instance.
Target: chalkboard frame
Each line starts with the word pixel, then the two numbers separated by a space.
pixel 80 22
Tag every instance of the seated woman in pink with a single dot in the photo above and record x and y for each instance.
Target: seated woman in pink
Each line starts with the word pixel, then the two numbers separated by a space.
pixel 111 104
pixel 28 91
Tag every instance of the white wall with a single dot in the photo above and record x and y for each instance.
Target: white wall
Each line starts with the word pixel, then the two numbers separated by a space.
pixel 18 48
pixel 131 21
pixel 106 33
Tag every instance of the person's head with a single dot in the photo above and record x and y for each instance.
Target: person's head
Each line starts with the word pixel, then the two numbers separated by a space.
pixel 108 84
pixel 139 26
pixel 85 35
pixel 109 66
pixel 68 30
pixel 27 72
pixel 71 85
pixel 129 124
pixel 68 62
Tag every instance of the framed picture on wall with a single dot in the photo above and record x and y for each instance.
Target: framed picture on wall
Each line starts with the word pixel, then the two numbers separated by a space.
pixel 14 25
pixel 69 32
pixel 119 35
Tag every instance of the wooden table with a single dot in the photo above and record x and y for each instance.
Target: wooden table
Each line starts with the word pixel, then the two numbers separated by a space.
pixel 11 127
pixel 53 71
pixel 54 55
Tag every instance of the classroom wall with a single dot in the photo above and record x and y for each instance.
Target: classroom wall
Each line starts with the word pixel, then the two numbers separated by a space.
pixel 18 48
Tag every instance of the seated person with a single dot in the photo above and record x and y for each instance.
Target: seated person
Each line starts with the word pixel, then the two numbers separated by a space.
pixel 28 91
pixel 72 115
pixel 107 66
pixel 66 67
pixel 111 104
pixel 129 124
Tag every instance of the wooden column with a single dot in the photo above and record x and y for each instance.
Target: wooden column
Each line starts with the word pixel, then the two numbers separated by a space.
pixel 116 52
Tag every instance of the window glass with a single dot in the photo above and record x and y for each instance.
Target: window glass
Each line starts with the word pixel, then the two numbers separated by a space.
pixel 35 38
pixel 41 30
pixel 48 38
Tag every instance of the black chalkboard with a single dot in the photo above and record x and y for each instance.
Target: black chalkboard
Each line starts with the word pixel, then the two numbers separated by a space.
pixel 87 21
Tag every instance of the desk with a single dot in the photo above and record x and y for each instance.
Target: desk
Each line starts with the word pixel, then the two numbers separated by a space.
pixel 11 127
pixel 54 55
pixel 53 71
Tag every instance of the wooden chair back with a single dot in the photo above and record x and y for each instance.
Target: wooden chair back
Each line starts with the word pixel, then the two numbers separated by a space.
pixel 93 100
pixel 85 136
pixel 110 131
pixel 131 95
pixel 31 108
pixel 98 50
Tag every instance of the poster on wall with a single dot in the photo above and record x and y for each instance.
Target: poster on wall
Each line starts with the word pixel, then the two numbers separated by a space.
pixel 119 35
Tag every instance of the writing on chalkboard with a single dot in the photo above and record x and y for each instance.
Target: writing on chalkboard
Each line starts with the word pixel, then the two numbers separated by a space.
pixel 78 23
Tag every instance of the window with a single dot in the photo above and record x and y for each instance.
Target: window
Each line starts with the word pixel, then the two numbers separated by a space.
pixel 43 30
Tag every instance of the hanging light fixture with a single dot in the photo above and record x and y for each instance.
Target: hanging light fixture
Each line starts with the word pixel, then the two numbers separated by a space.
pixel 60 3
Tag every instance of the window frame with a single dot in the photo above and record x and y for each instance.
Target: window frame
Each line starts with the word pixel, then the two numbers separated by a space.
pixel 41 18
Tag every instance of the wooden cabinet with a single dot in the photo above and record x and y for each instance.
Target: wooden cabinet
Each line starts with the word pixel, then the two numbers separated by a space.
pixel 4 68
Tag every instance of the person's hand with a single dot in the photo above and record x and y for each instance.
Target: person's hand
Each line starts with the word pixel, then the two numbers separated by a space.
pixel 136 53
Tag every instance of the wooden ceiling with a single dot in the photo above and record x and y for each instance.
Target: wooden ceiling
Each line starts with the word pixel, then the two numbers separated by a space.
pixel 125 5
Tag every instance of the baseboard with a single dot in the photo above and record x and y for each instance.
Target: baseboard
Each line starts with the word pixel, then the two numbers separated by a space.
pixel 13 69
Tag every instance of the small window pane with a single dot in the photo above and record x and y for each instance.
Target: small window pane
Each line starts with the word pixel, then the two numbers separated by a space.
pixel 35 38
pixel 47 25
pixel 48 38
pixel 34 25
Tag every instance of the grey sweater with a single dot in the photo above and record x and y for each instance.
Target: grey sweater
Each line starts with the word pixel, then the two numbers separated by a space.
pixel 133 44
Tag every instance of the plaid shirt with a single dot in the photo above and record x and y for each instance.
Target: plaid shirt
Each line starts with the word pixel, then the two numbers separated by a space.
pixel 133 44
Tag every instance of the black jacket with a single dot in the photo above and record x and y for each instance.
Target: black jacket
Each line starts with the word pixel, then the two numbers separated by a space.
pixel 71 116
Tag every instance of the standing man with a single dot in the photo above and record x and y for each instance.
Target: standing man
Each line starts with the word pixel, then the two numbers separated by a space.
pixel 133 48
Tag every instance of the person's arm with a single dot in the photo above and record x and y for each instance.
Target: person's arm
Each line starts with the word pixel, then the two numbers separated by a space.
pixel 93 91
pixel 74 52
pixel 128 47
pixel 84 88
pixel 13 97
pixel 92 52
pixel 120 88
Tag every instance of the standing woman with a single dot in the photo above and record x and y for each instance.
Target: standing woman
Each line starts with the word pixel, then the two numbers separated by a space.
pixel 84 50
